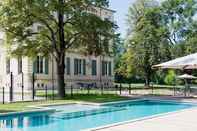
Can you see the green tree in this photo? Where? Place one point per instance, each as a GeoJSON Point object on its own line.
{"type": "Point", "coordinates": [170, 77]}
{"type": "Point", "coordinates": [191, 40]}
{"type": "Point", "coordinates": [178, 16]}
{"type": "Point", "coordinates": [146, 37]}
{"type": "Point", "coordinates": [158, 32]}
{"type": "Point", "coordinates": [54, 27]}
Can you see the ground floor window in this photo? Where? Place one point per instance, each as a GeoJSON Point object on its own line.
{"type": "Point", "coordinates": [8, 65]}
{"type": "Point", "coordinates": [68, 72]}
{"type": "Point", "coordinates": [110, 68]}
{"type": "Point", "coordinates": [94, 67]}
{"type": "Point", "coordinates": [106, 68]}
{"type": "Point", "coordinates": [20, 65]}
{"type": "Point", "coordinates": [79, 66]}
{"type": "Point", "coordinates": [41, 65]}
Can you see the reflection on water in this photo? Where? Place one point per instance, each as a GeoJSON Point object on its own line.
{"type": "Point", "coordinates": [26, 121]}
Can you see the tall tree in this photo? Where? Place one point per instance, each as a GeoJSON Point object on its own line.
{"type": "Point", "coordinates": [191, 39]}
{"type": "Point", "coordinates": [178, 16]}
{"type": "Point", "coordinates": [53, 27]}
{"type": "Point", "coordinates": [146, 36]}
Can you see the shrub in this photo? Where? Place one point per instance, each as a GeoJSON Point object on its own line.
{"type": "Point", "coordinates": [170, 77]}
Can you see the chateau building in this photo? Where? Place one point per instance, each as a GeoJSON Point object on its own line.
{"type": "Point", "coordinates": [80, 70]}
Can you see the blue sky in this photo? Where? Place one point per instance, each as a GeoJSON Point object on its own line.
{"type": "Point", "coordinates": [121, 7]}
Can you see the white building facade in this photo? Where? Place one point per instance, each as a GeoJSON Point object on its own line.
{"type": "Point", "coordinates": [80, 70]}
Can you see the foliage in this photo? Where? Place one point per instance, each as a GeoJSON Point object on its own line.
{"type": "Point", "coordinates": [146, 39]}
{"type": "Point", "coordinates": [52, 27]}
{"type": "Point", "coordinates": [170, 77]}
{"type": "Point", "coordinates": [178, 16]}
{"type": "Point", "coordinates": [158, 32]}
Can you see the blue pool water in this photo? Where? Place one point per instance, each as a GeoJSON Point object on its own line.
{"type": "Point", "coordinates": [88, 116]}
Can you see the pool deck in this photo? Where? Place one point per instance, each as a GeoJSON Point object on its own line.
{"type": "Point", "coordinates": [184, 120]}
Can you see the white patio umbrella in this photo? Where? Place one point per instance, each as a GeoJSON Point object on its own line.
{"type": "Point", "coordinates": [186, 62]}
{"type": "Point", "coordinates": [186, 76]}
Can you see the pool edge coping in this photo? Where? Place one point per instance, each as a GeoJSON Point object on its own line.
{"type": "Point", "coordinates": [41, 108]}
{"type": "Point", "coordinates": [44, 108]}
{"type": "Point", "coordinates": [26, 112]}
{"type": "Point", "coordinates": [145, 118]}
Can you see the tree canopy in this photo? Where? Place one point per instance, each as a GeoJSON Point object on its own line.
{"type": "Point", "coordinates": [55, 26]}
{"type": "Point", "coordinates": [157, 32]}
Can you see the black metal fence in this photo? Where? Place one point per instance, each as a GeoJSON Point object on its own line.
{"type": "Point", "coordinates": [7, 94]}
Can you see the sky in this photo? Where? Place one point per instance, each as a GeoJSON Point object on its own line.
{"type": "Point", "coordinates": [121, 7]}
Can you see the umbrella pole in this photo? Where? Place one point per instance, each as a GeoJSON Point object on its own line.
{"type": "Point", "coordinates": [185, 88]}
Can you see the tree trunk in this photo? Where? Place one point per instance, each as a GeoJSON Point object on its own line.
{"type": "Point", "coordinates": [147, 81]}
{"type": "Point", "coordinates": [60, 79]}
{"type": "Point", "coordinates": [147, 78]}
{"type": "Point", "coordinates": [61, 53]}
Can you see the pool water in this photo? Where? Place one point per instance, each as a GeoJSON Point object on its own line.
{"type": "Point", "coordinates": [74, 107]}
{"type": "Point", "coordinates": [88, 117]}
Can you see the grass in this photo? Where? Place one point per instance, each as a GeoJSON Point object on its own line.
{"type": "Point", "coordinates": [25, 106]}
{"type": "Point", "coordinates": [141, 86]}
{"type": "Point", "coordinates": [96, 98]}
{"type": "Point", "coordinates": [84, 97]}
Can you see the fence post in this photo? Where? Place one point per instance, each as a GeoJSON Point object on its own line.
{"type": "Point", "coordinates": [22, 93]}
{"type": "Point", "coordinates": [46, 92]}
{"type": "Point", "coordinates": [88, 89]}
{"type": "Point", "coordinates": [116, 89]}
{"type": "Point", "coordinates": [120, 88]}
{"type": "Point", "coordinates": [11, 87]}
{"type": "Point", "coordinates": [102, 89]}
{"type": "Point", "coordinates": [152, 88]}
{"type": "Point", "coordinates": [3, 95]}
{"type": "Point", "coordinates": [53, 92]}
{"type": "Point", "coordinates": [129, 89]}
{"type": "Point", "coordinates": [22, 87]}
{"type": "Point", "coordinates": [71, 90]}
{"type": "Point", "coordinates": [33, 86]}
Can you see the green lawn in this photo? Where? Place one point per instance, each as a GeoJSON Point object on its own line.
{"type": "Point", "coordinates": [23, 106]}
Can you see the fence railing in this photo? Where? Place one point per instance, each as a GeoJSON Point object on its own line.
{"type": "Point", "coordinates": [9, 95]}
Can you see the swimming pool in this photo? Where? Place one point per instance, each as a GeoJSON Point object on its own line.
{"type": "Point", "coordinates": [80, 117]}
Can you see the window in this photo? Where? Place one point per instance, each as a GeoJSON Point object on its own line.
{"type": "Point", "coordinates": [7, 65]}
{"type": "Point", "coordinates": [75, 66]}
{"type": "Point", "coordinates": [94, 67]}
{"type": "Point", "coordinates": [46, 65]}
{"type": "Point", "coordinates": [110, 68]}
{"type": "Point", "coordinates": [106, 68]}
{"type": "Point", "coordinates": [84, 67]}
{"type": "Point", "coordinates": [41, 65]}
{"type": "Point", "coordinates": [68, 66]}
{"type": "Point", "coordinates": [79, 67]}
{"type": "Point", "coordinates": [20, 65]}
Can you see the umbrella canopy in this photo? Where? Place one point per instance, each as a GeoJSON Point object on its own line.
{"type": "Point", "coordinates": [186, 62]}
{"type": "Point", "coordinates": [186, 76]}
